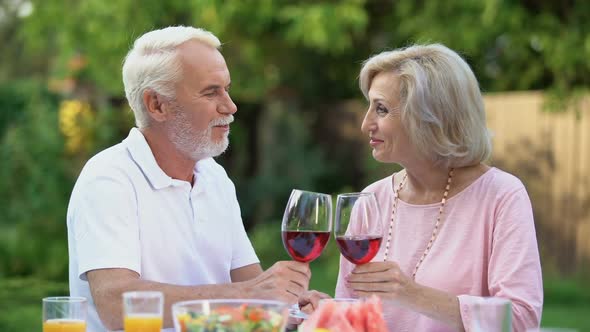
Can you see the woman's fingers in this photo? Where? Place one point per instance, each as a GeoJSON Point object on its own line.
{"type": "Point", "coordinates": [383, 276]}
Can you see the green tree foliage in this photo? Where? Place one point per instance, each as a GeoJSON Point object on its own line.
{"type": "Point", "coordinates": [294, 66]}
{"type": "Point", "coordinates": [512, 45]}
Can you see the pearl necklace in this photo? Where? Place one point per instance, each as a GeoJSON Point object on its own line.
{"type": "Point", "coordinates": [436, 226]}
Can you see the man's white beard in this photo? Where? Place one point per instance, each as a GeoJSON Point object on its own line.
{"type": "Point", "coordinates": [195, 144]}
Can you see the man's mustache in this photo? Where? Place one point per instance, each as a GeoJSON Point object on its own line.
{"type": "Point", "coordinates": [222, 121]}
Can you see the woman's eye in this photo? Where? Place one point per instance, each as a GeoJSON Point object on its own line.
{"type": "Point", "coordinates": [381, 110]}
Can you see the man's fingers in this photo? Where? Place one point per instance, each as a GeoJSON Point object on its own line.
{"type": "Point", "coordinates": [308, 308]}
{"type": "Point", "coordinates": [299, 280]}
{"type": "Point", "coordinates": [299, 267]}
{"type": "Point", "coordinates": [295, 289]}
{"type": "Point", "coordinates": [292, 296]}
{"type": "Point", "coordinates": [312, 299]}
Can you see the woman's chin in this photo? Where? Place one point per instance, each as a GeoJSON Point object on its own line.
{"type": "Point", "coordinates": [379, 157]}
{"type": "Point", "coordinates": [382, 158]}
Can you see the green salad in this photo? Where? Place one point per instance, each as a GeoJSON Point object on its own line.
{"type": "Point", "coordinates": [235, 319]}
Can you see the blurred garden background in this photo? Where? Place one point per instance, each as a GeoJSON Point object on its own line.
{"type": "Point", "coordinates": [294, 67]}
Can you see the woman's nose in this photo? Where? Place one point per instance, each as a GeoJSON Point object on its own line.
{"type": "Point", "coordinates": [368, 124]}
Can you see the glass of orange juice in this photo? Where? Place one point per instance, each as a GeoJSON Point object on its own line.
{"type": "Point", "coordinates": [64, 314]}
{"type": "Point", "coordinates": [142, 311]}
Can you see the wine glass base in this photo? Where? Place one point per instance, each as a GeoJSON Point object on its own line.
{"type": "Point", "coordinates": [296, 313]}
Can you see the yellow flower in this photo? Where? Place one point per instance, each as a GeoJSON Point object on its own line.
{"type": "Point", "coordinates": [73, 116]}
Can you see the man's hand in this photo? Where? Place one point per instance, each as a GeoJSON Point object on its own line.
{"type": "Point", "coordinates": [309, 301]}
{"type": "Point", "coordinates": [284, 281]}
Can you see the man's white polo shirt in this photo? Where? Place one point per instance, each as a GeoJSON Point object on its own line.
{"type": "Point", "coordinates": [125, 212]}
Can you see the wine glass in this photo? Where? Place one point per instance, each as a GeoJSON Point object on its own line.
{"type": "Point", "coordinates": [358, 229]}
{"type": "Point", "coordinates": [307, 224]}
{"type": "Point", "coordinates": [306, 228]}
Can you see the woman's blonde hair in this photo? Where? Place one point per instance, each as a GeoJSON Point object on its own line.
{"type": "Point", "coordinates": [440, 102]}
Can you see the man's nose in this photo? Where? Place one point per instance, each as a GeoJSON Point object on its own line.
{"type": "Point", "coordinates": [229, 107]}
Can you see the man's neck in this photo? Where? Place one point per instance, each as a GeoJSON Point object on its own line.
{"type": "Point", "coordinates": [170, 160]}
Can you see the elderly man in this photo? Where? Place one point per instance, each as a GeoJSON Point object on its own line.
{"type": "Point", "coordinates": [156, 212]}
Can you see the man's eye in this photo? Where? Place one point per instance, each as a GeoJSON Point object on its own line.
{"type": "Point", "coordinates": [211, 94]}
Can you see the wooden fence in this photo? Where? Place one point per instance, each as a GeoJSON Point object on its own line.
{"type": "Point", "coordinates": [550, 153]}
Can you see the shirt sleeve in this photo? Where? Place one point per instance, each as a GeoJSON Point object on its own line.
{"type": "Point", "coordinates": [105, 226]}
{"type": "Point", "coordinates": [514, 269]}
{"type": "Point", "coordinates": [242, 253]}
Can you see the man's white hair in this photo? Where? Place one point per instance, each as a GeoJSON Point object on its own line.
{"type": "Point", "coordinates": [152, 63]}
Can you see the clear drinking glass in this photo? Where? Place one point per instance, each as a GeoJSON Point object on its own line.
{"type": "Point", "coordinates": [64, 313]}
{"type": "Point", "coordinates": [143, 311]}
{"type": "Point", "coordinates": [358, 229]}
{"type": "Point", "coordinates": [492, 314]}
{"type": "Point", "coordinates": [306, 228]}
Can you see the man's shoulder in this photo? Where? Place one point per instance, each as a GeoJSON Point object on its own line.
{"type": "Point", "coordinates": [106, 176]}
{"type": "Point", "coordinates": [114, 161]}
{"type": "Point", "coordinates": [211, 168]}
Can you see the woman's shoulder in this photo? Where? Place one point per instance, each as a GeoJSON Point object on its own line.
{"type": "Point", "coordinates": [382, 186]}
{"type": "Point", "coordinates": [503, 180]}
{"type": "Point", "coordinates": [496, 181]}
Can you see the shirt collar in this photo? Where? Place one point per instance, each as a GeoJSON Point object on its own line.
{"type": "Point", "coordinates": [144, 158]}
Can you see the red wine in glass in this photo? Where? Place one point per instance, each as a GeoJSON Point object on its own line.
{"type": "Point", "coordinates": [359, 249]}
{"type": "Point", "coordinates": [306, 227]}
{"type": "Point", "coordinates": [358, 229]}
{"type": "Point", "coordinates": [305, 246]}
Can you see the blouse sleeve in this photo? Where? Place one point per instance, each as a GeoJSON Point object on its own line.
{"type": "Point", "coordinates": [342, 291]}
{"type": "Point", "coordinates": [514, 270]}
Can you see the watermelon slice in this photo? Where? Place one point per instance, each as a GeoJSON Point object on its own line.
{"type": "Point", "coordinates": [374, 315]}
{"type": "Point", "coordinates": [363, 316]}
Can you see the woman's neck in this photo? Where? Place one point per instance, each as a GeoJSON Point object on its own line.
{"type": "Point", "coordinates": [426, 183]}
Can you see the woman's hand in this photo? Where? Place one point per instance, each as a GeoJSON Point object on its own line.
{"type": "Point", "coordinates": [384, 279]}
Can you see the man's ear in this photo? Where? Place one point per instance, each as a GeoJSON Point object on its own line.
{"type": "Point", "coordinates": [156, 105]}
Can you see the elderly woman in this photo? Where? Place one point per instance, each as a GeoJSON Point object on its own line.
{"type": "Point", "coordinates": [454, 229]}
